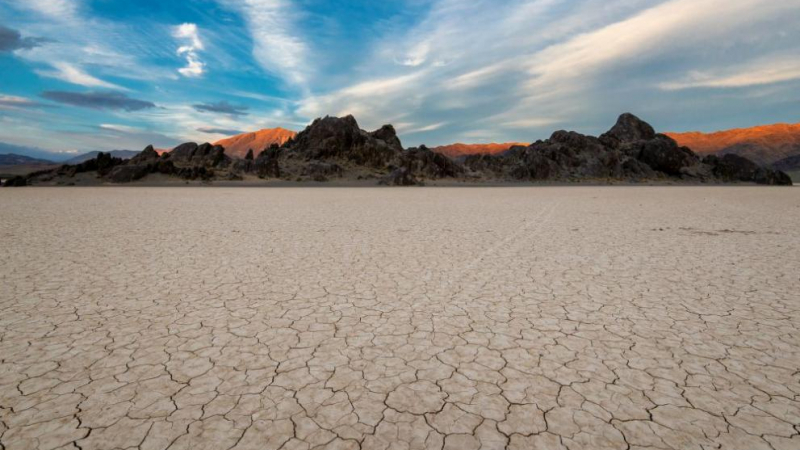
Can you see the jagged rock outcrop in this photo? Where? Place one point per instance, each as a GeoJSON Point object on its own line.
{"type": "Point", "coordinates": [333, 148]}
{"type": "Point", "coordinates": [422, 162]}
{"type": "Point", "coordinates": [205, 155]}
{"type": "Point", "coordinates": [628, 129]}
{"type": "Point", "coordinates": [267, 165]}
{"type": "Point", "coordinates": [733, 167]}
{"type": "Point", "coordinates": [334, 138]}
{"type": "Point", "coordinates": [631, 150]}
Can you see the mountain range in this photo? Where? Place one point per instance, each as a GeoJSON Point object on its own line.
{"type": "Point", "coordinates": [238, 146]}
{"type": "Point", "coordinates": [13, 159]}
{"type": "Point", "coordinates": [769, 145]}
{"type": "Point", "coordinates": [337, 149]}
{"type": "Point", "coordinates": [765, 144]}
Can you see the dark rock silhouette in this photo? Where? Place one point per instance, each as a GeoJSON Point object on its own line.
{"type": "Point", "coordinates": [17, 181]}
{"type": "Point", "coordinates": [733, 167]}
{"type": "Point", "coordinates": [336, 148]}
{"type": "Point", "coordinates": [342, 139]}
{"type": "Point", "coordinates": [630, 151]}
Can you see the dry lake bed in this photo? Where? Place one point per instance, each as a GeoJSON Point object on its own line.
{"type": "Point", "coordinates": [459, 318]}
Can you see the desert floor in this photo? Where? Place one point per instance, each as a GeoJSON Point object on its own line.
{"type": "Point", "coordinates": [296, 318]}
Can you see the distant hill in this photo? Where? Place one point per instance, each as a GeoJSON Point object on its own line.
{"type": "Point", "coordinates": [124, 154]}
{"type": "Point", "coordinates": [460, 150]}
{"type": "Point", "coordinates": [237, 146]}
{"type": "Point", "coordinates": [764, 144]}
{"type": "Point", "coordinates": [12, 159]}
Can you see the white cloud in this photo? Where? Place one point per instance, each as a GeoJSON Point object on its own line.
{"type": "Point", "coordinates": [72, 74]}
{"type": "Point", "coordinates": [120, 128]}
{"type": "Point", "coordinates": [189, 36]}
{"type": "Point", "coordinates": [277, 47]}
{"type": "Point", "coordinates": [755, 74]}
{"type": "Point", "coordinates": [422, 129]}
{"type": "Point", "coordinates": [62, 9]}
{"type": "Point", "coordinates": [14, 102]}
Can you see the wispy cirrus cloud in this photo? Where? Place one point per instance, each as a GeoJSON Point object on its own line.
{"type": "Point", "coordinates": [220, 131]}
{"type": "Point", "coordinates": [222, 107]}
{"type": "Point", "coordinates": [16, 102]}
{"type": "Point", "coordinates": [98, 100]}
{"type": "Point", "coordinates": [758, 73]}
{"type": "Point", "coordinates": [538, 63]}
{"type": "Point", "coordinates": [277, 47]}
{"type": "Point", "coordinates": [72, 74]}
{"type": "Point", "coordinates": [61, 9]}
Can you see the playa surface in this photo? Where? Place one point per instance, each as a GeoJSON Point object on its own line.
{"type": "Point", "coordinates": [459, 318]}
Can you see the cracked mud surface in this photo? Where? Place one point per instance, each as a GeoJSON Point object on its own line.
{"type": "Point", "coordinates": [536, 318]}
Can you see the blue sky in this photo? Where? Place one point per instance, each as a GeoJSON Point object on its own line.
{"type": "Point", "coordinates": [80, 75]}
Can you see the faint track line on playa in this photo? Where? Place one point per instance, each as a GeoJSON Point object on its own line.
{"type": "Point", "coordinates": [517, 238]}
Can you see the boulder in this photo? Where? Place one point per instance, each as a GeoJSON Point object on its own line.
{"type": "Point", "coordinates": [267, 164]}
{"type": "Point", "coordinates": [663, 154]}
{"type": "Point", "coordinates": [128, 173]}
{"type": "Point", "coordinates": [399, 177]}
{"type": "Point", "coordinates": [206, 155]}
{"type": "Point", "coordinates": [322, 171]}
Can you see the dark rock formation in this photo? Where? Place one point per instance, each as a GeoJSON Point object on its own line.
{"type": "Point", "coordinates": [663, 154]}
{"type": "Point", "coordinates": [733, 167]}
{"type": "Point", "coordinates": [424, 163]}
{"type": "Point", "coordinates": [628, 128]}
{"type": "Point", "coordinates": [333, 147]}
{"type": "Point", "coordinates": [17, 181]}
{"type": "Point", "coordinates": [341, 139]}
{"type": "Point", "coordinates": [267, 164]}
{"type": "Point", "coordinates": [192, 155]}
{"type": "Point", "coordinates": [399, 177]}
{"type": "Point", "coordinates": [630, 151]}
{"type": "Point", "coordinates": [322, 171]}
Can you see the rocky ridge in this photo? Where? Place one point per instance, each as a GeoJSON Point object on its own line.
{"type": "Point", "coordinates": [333, 148]}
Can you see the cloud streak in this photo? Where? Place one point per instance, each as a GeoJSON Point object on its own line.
{"type": "Point", "coordinates": [72, 74]}
{"type": "Point", "coordinates": [15, 102]}
{"type": "Point", "coordinates": [276, 46]}
{"type": "Point", "coordinates": [98, 100]}
{"type": "Point", "coordinates": [222, 107]}
{"type": "Point", "coordinates": [222, 131]}
{"type": "Point", "coordinates": [11, 40]}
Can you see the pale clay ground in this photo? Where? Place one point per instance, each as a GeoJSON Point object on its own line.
{"type": "Point", "coordinates": [536, 318]}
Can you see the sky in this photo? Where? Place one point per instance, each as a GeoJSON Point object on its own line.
{"type": "Point", "coordinates": [83, 75]}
